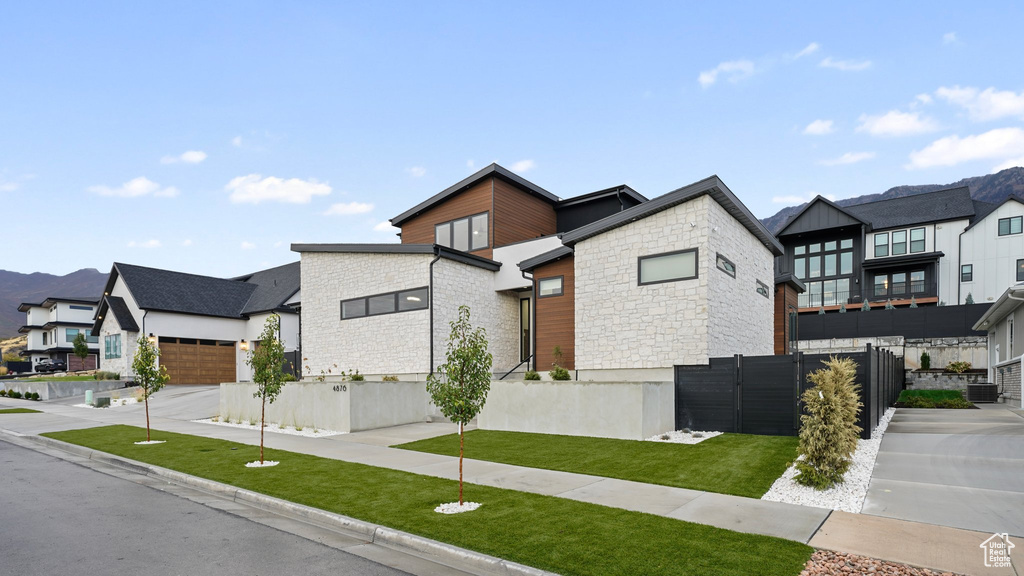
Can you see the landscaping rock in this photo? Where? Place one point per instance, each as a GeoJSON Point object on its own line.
{"type": "Point", "coordinates": [826, 562]}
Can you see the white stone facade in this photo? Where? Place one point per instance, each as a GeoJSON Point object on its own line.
{"type": "Point", "coordinates": [386, 344]}
{"type": "Point", "coordinates": [121, 365]}
{"type": "Point", "coordinates": [622, 325]}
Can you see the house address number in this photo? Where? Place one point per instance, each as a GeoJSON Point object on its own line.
{"type": "Point", "coordinates": [341, 388]}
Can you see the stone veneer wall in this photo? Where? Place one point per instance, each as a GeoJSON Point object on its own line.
{"type": "Point", "coordinates": [1008, 377]}
{"type": "Point", "coordinates": [457, 284]}
{"type": "Point", "coordinates": [942, 380]}
{"type": "Point", "coordinates": [973, 349]}
{"type": "Point", "coordinates": [386, 344]}
{"type": "Point", "coordinates": [740, 319]}
{"type": "Point", "coordinates": [123, 364]}
{"type": "Point", "coordinates": [620, 324]}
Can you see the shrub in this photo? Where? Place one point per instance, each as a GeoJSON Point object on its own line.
{"type": "Point", "coordinates": [531, 375]}
{"type": "Point", "coordinates": [104, 375]}
{"type": "Point", "coordinates": [926, 361]}
{"type": "Point", "coordinates": [3, 392]}
{"type": "Point", "coordinates": [559, 373]}
{"type": "Point", "coordinates": [828, 430]}
{"type": "Point", "coordinates": [865, 307]}
{"type": "Point", "coordinates": [958, 367]}
{"type": "Point", "coordinates": [356, 376]}
{"type": "Point", "coordinates": [14, 394]}
{"type": "Point", "coordinates": [288, 378]}
{"type": "Point", "coordinates": [35, 395]}
{"type": "Point", "coordinates": [3, 370]}
{"type": "Point", "coordinates": [389, 379]}
{"type": "Point", "coordinates": [969, 299]}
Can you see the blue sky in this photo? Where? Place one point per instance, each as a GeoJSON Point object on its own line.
{"type": "Point", "coordinates": [206, 137]}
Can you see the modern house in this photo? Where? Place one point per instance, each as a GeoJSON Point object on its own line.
{"type": "Point", "coordinates": [1006, 352]}
{"type": "Point", "coordinates": [203, 326]}
{"type": "Point", "coordinates": [931, 248]}
{"type": "Point", "coordinates": [51, 327]}
{"type": "Point", "coordinates": [623, 286]}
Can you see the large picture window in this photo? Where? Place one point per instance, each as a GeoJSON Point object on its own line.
{"type": "Point", "coordinates": [668, 267]}
{"type": "Point", "coordinates": [387, 303]}
{"type": "Point", "coordinates": [112, 346]}
{"type": "Point", "coordinates": [1009, 226]}
{"type": "Point", "coordinates": [466, 234]}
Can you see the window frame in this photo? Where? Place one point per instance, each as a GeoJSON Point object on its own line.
{"type": "Point", "coordinates": [696, 267]}
{"type": "Point", "coordinates": [469, 232]}
{"type": "Point", "coordinates": [884, 245]}
{"type": "Point", "coordinates": [561, 286]}
{"type": "Point", "coordinates": [1009, 225]}
{"type": "Point", "coordinates": [395, 293]}
{"type": "Point", "coordinates": [1020, 270]}
{"type": "Point", "coordinates": [720, 258]}
{"type": "Point", "coordinates": [923, 240]}
{"type": "Point", "coordinates": [967, 272]}
{"type": "Point", "coordinates": [902, 243]}
{"type": "Point", "coordinates": [761, 286]}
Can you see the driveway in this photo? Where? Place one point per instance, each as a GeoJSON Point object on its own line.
{"type": "Point", "coordinates": [960, 468]}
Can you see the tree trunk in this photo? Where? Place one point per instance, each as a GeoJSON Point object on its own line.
{"type": "Point", "coordinates": [147, 417]}
{"type": "Point", "coordinates": [263, 415]}
{"type": "Point", "coordinates": [461, 445]}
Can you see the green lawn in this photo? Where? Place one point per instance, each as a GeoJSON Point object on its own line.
{"type": "Point", "coordinates": [932, 399]}
{"type": "Point", "coordinates": [546, 532]}
{"type": "Point", "coordinates": [738, 464]}
{"type": "Point", "coordinates": [19, 411]}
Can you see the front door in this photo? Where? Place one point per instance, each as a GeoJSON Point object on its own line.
{"type": "Point", "coordinates": [524, 329]}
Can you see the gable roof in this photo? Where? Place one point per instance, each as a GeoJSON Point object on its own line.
{"type": "Point", "coordinates": [819, 200]}
{"type": "Point", "coordinates": [983, 209]}
{"type": "Point", "coordinates": [462, 185]}
{"type": "Point", "coordinates": [274, 286]}
{"type": "Point", "coordinates": [122, 314]}
{"type": "Point", "coordinates": [541, 259]}
{"type": "Point", "coordinates": [712, 186]}
{"type": "Point", "coordinates": [949, 204]}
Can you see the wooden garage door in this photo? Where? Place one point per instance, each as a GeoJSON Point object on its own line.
{"type": "Point", "coordinates": [76, 363]}
{"type": "Point", "coordinates": [191, 361]}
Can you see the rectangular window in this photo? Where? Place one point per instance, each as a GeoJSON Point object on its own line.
{"type": "Point", "coordinates": [846, 262]}
{"type": "Point", "coordinates": [44, 338]}
{"type": "Point", "coordinates": [843, 290]}
{"type": "Point", "coordinates": [830, 246]}
{"type": "Point", "coordinates": [383, 304]}
{"type": "Point", "coordinates": [967, 273]}
{"type": "Point", "coordinates": [881, 285]}
{"type": "Point", "coordinates": [881, 244]}
{"type": "Point", "coordinates": [917, 281]}
{"type": "Point", "coordinates": [899, 243]}
{"type": "Point", "coordinates": [846, 244]}
{"type": "Point", "coordinates": [762, 288]}
{"type": "Point", "coordinates": [1020, 270]}
{"type": "Point", "coordinates": [79, 307]}
{"type": "Point", "coordinates": [353, 309]}
{"type": "Point", "coordinates": [412, 300]}
{"type": "Point", "coordinates": [725, 265]}
{"type": "Point", "coordinates": [389, 303]}
{"type": "Point", "coordinates": [669, 267]}
{"type": "Point", "coordinates": [815, 248]}
{"type": "Point", "coordinates": [830, 264]}
{"type": "Point", "coordinates": [829, 293]}
{"type": "Point", "coordinates": [112, 346]}
{"type": "Point", "coordinates": [800, 268]}
{"type": "Point", "coordinates": [70, 334]}
{"type": "Point", "coordinates": [814, 294]}
{"type": "Point", "coordinates": [916, 240]}
{"type": "Point", "coordinates": [549, 287]}
{"type": "Point", "coordinates": [798, 250]}
{"type": "Point", "coordinates": [899, 283]}
{"type": "Point", "coordinates": [465, 234]}
{"type": "Point", "coordinates": [1009, 226]}
{"type": "Point", "coordinates": [90, 338]}
{"type": "Point", "coordinates": [815, 266]}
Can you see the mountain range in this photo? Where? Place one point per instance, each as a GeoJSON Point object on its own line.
{"type": "Point", "coordinates": [993, 188]}
{"type": "Point", "coordinates": [16, 288]}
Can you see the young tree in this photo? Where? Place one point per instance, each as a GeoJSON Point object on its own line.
{"type": "Point", "coordinates": [148, 375]}
{"type": "Point", "coordinates": [267, 362]}
{"type": "Point", "coordinates": [459, 388]}
{"type": "Point", "coordinates": [81, 347]}
{"type": "Point", "coordinates": [829, 430]}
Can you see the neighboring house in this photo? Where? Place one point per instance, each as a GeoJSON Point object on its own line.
{"type": "Point", "coordinates": [1006, 351]}
{"type": "Point", "coordinates": [621, 285]}
{"type": "Point", "coordinates": [52, 326]}
{"type": "Point", "coordinates": [934, 247]}
{"type": "Point", "coordinates": [204, 326]}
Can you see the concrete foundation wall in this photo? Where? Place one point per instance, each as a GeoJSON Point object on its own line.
{"type": "Point", "coordinates": [48, 390]}
{"type": "Point", "coordinates": [971, 349]}
{"type": "Point", "coordinates": [626, 410]}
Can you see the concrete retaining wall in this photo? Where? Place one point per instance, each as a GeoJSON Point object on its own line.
{"type": "Point", "coordinates": [49, 390]}
{"type": "Point", "coordinates": [339, 406]}
{"type": "Point", "coordinates": [627, 410]}
{"type": "Point", "coordinates": [942, 380]}
{"type": "Point", "coordinates": [973, 349]}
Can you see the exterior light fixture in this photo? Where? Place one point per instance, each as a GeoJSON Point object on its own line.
{"type": "Point", "coordinates": [152, 339]}
{"type": "Point", "coordinates": [243, 345]}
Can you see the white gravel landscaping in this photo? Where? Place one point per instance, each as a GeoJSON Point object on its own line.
{"type": "Point", "coordinates": [151, 442]}
{"type": "Point", "coordinates": [684, 436]}
{"type": "Point", "coordinates": [848, 496]}
{"type": "Point", "coordinates": [264, 464]}
{"type": "Point", "coordinates": [455, 508]}
{"type": "Point", "coordinates": [114, 403]}
{"type": "Point", "coordinates": [307, 432]}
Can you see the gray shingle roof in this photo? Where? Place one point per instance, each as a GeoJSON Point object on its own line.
{"type": "Point", "coordinates": [951, 204]}
{"type": "Point", "coordinates": [124, 318]}
{"type": "Point", "coordinates": [274, 287]}
{"type": "Point", "coordinates": [169, 291]}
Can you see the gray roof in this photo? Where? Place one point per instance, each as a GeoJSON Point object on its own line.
{"type": "Point", "coordinates": [274, 287]}
{"type": "Point", "coordinates": [712, 186]}
{"type": "Point", "coordinates": [122, 314]}
{"type": "Point", "coordinates": [950, 204]}
{"type": "Point", "coordinates": [436, 249]}
{"type": "Point", "coordinates": [620, 189]}
{"type": "Point", "coordinates": [541, 259]}
{"type": "Point", "coordinates": [983, 209]}
{"type": "Point", "coordinates": [462, 185]}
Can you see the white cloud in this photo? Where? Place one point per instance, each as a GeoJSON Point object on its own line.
{"type": "Point", "coordinates": [989, 104]}
{"type": "Point", "coordinates": [248, 246]}
{"type": "Point", "coordinates": [949, 38]}
{"type": "Point", "coordinates": [153, 243]}
{"type": "Point", "coordinates": [254, 189]}
{"type": "Point", "coordinates": [343, 209]}
{"type": "Point", "coordinates": [523, 166]}
{"type": "Point", "coordinates": [384, 226]}
{"type": "Point", "coordinates": [9, 186]}
{"type": "Point", "coordinates": [416, 171]}
{"type": "Point", "coordinates": [819, 128]}
{"type": "Point", "coordinates": [795, 199]}
{"type": "Point", "coordinates": [845, 65]}
{"type": "Point", "coordinates": [187, 157]}
{"type": "Point", "coordinates": [734, 71]}
{"type": "Point", "coordinates": [135, 188]}
{"type": "Point", "coordinates": [848, 158]}
{"type": "Point", "coordinates": [810, 49]}
{"type": "Point", "coordinates": [1010, 164]}
{"type": "Point", "coordinates": [1002, 144]}
{"type": "Point", "coordinates": [896, 123]}
{"type": "Point", "coordinates": [236, 141]}
{"type": "Point", "coordinates": [186, 242]}
{"type": "Point", "coordinates": [921, 99]}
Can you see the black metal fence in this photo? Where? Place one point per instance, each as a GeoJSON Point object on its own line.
{"type": "Point", "coordinates": [293, 363]}
{"type": "Point", "coordinates": [761, 394]}
{"type": "Point", "coordinates": [15, 367]}
{"type": "Point", "coordinates": [924, 322]}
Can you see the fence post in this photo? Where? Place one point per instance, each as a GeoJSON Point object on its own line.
{"type": "Point", "coordinates": [797, 377]}
{"type": "Point", "coordinates": [739, 393]}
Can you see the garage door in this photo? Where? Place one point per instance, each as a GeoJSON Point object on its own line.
{"type": "Point", "coordinates": [191, 361]}
{"type": "Point", "coordinates": [76, 363]}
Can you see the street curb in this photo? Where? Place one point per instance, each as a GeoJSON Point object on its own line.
{"type": "Point", "coordinates": [374, 533]}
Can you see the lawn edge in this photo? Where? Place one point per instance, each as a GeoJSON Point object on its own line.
{"type": "Point", "coordinates": [374, 533]}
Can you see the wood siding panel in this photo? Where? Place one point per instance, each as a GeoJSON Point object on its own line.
{"type": "Point", "coordinates": [475, 200]}
{"type": "Point", "coordinates": [556, 321]}
{"type": "Point", "coordinates": [519, 215]}
{"type": "Point", "coordinates": [785, 300]}
{"type": "Point", "coordinates": [75, 363]}
{"type": "Point", "coordinates": [197, 363]}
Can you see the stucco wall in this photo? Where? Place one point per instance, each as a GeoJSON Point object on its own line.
{"type": "Point", "coordinates": [740, 319]}
{"type": "Point", "coordinates": [627, 410]}
{"type": "Point", "coordinates": [622, 325]}
{"type": "Point", "coordinates": [386, 344]}
{"type": "Point", "coordinates": [994, 257]}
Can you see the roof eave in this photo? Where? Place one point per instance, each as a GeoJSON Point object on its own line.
{"type": "Point", "coordinates": [1005, 304]}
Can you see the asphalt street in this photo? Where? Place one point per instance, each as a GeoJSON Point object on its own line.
{"type": "Point", "coordinates": [57, 517]}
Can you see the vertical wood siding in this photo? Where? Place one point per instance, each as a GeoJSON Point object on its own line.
{"type": "Point", "coordinates": [556, 324]}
